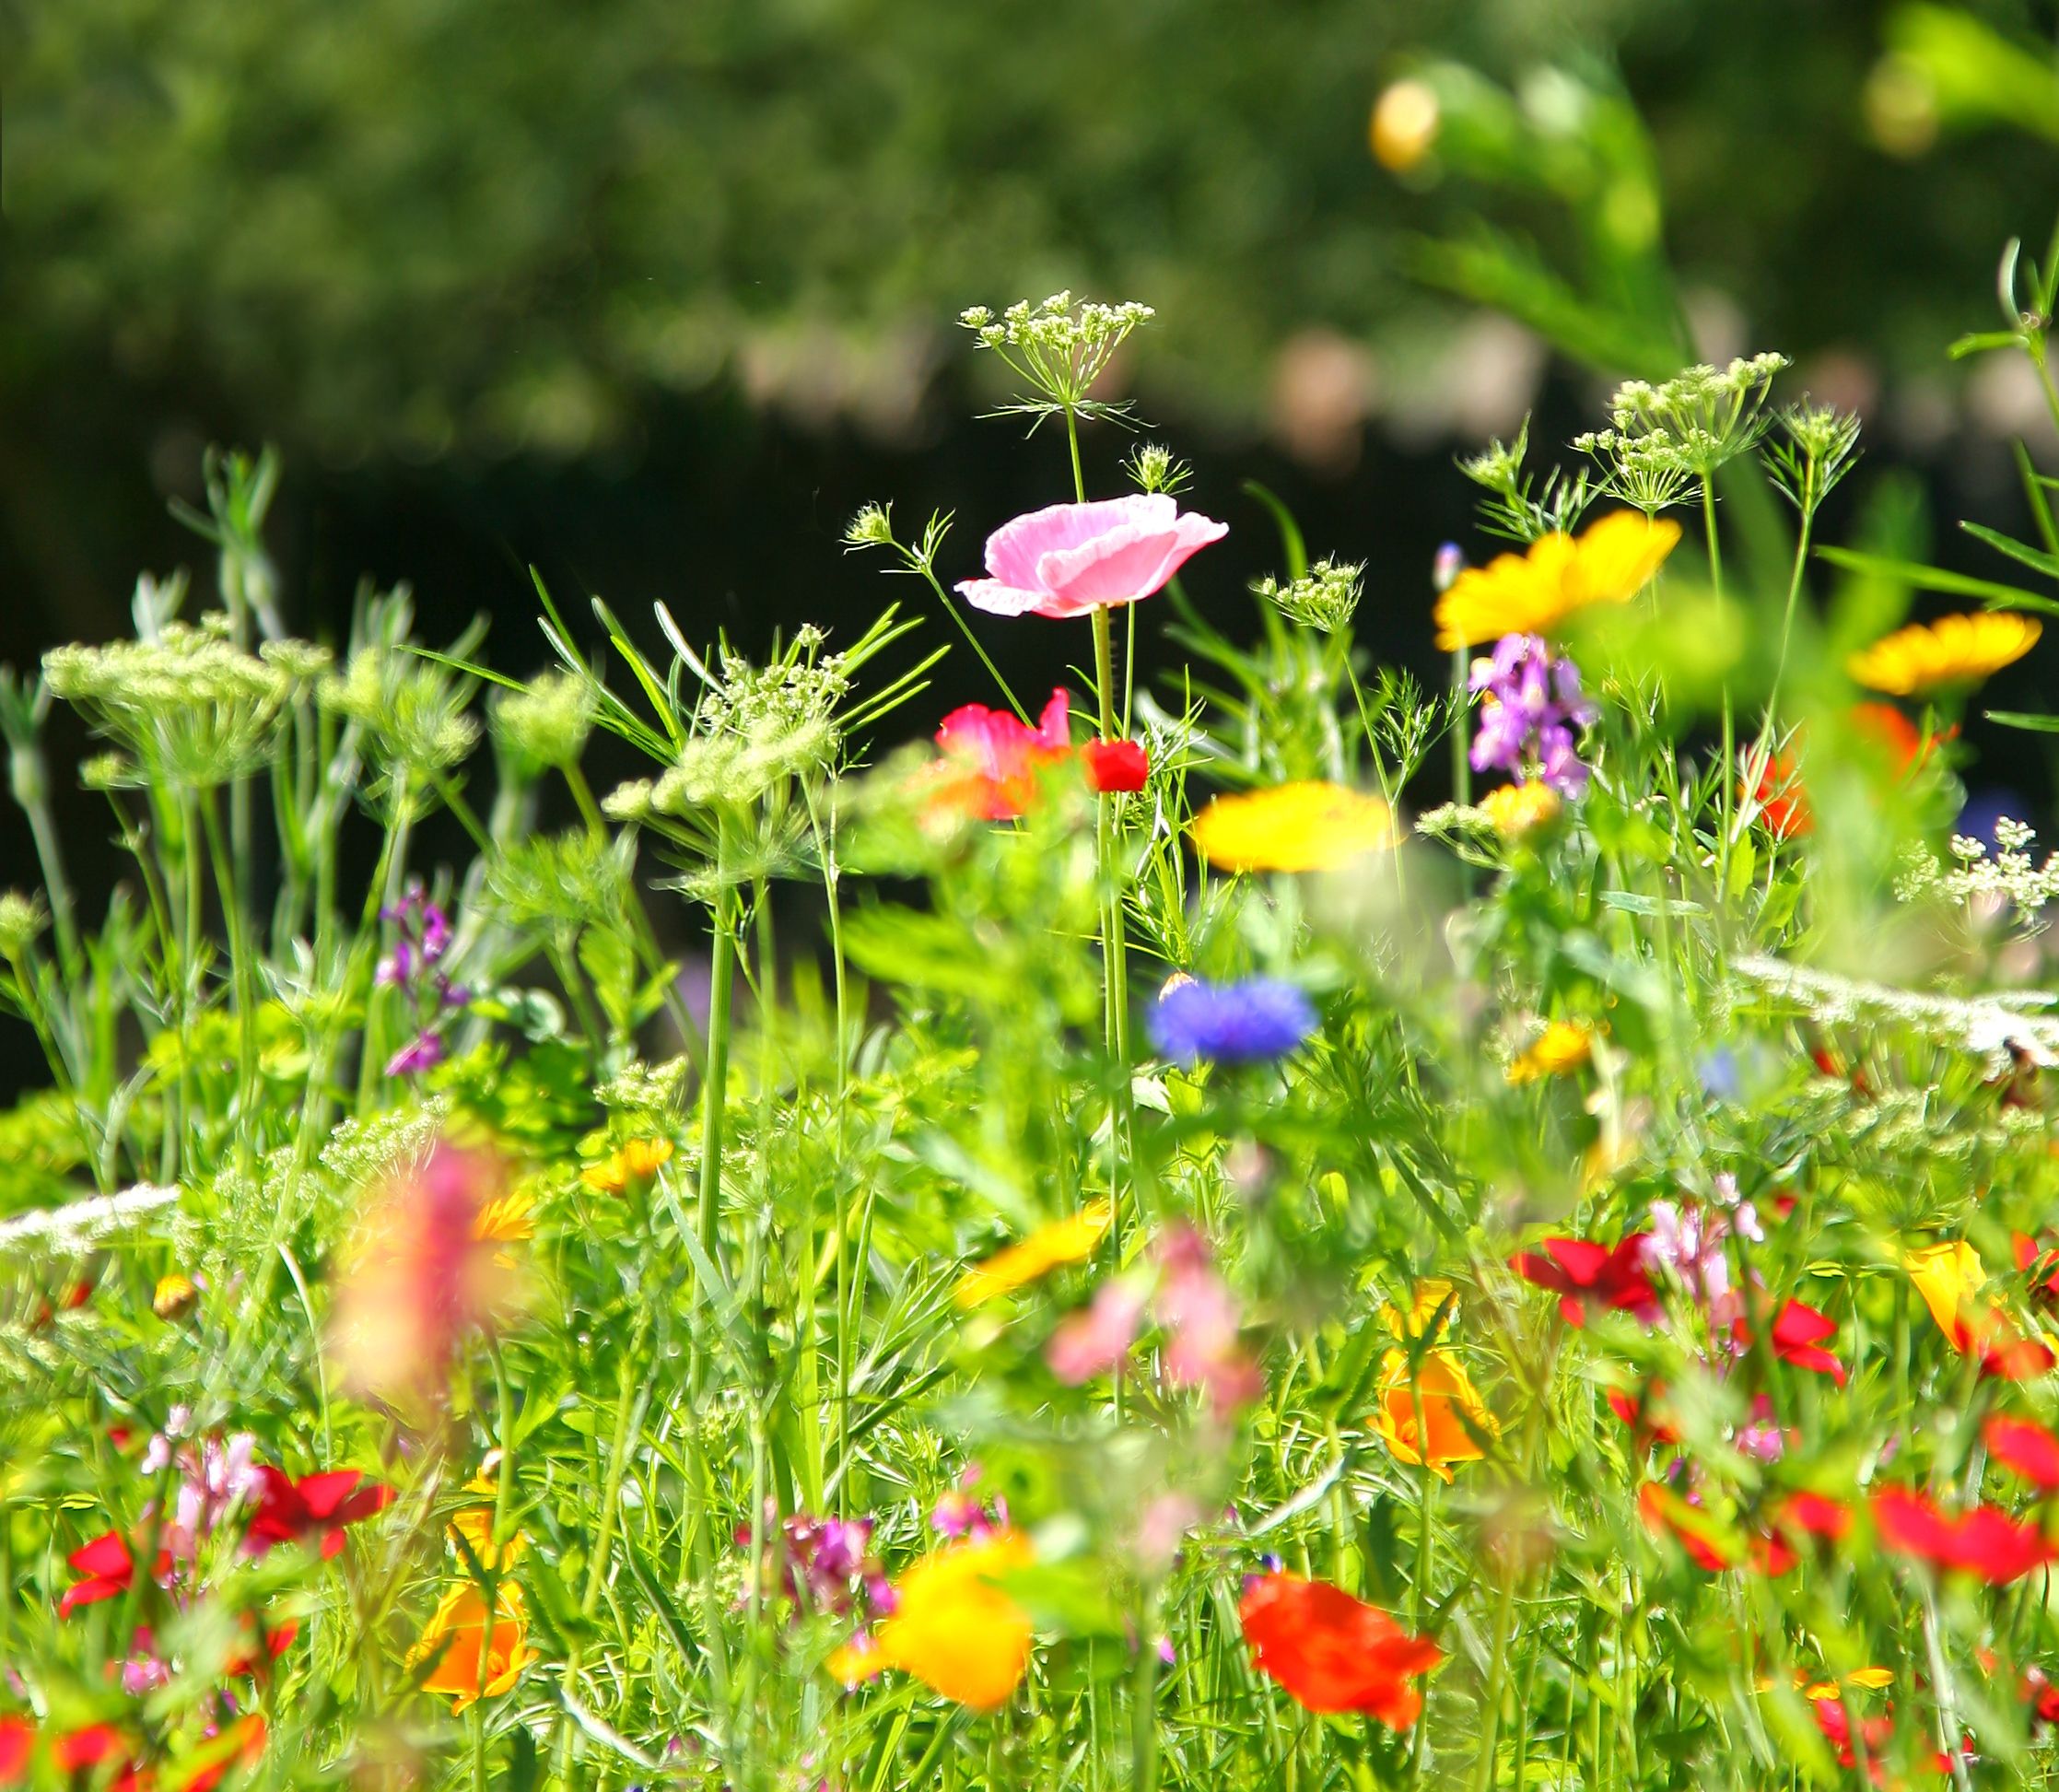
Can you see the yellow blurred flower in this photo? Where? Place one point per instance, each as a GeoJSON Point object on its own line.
{"type": "Point", "coordinates": [953, 1628]}
{"type": "Point", "coordinates": [1404, 127]}
{"type": "Point", "coordinates": [1530, 593]}
{"type": "Point", "coordinates": [1515, 809]}
{"type": "Point", "coordinates": [474, 1525]}
{"type": "Point", "coordinates": [1926, 657]}
{"type": "Point", "coordinates": [1424, 1299]}
{"type": "Point", "coordinates": [1311, 825]}
{"type": "Point", "coordinates": [638, 1161]}
{"type": "Point", "coordinates": [473, 1645]}
{"type": "Point", "coordinates": [1069, 1240]}
{"type": "Point", "coordinates": [1447, 1399]}
{"type": "Point", "coordinates": [173, 1296]}
{"type": "Point", "coordinates": [1562, 1047]}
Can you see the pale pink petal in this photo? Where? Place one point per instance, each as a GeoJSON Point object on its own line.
{"type": "Point", "coordinates": [1013, 549]}
{"type": "Point", "coordinates": [998, 599]}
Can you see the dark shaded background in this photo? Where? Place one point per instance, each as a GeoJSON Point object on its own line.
{"type": "Point", "coordinates": [654, 296]}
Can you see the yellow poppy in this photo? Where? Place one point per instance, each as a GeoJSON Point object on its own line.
{"type": "Point", "coordinates": [638, 1161]}
{"type": "Point", "coordinates": [953, 1628]}
{"type": "Point", "coordinates": [1515, 809]}
{"type": "Point", "coordinates": [1069, 1241]}
{"type": "Point", "coordinates": [1310, 826]}
{"type": "Point", "coordinates": [1530, 593]}
{"type": "Point", "coordinates": [1946, 1276]}
{"type": "Point", "coordinates": [1563, 1045]}
{"type": "Point", "coordinates": [1424, 1299]}
{"type": "Point", "coordinates": [474, 1525]}
{"type": "Point", "coordinates": [1926, 657]}
{"type": "Point", "coordinates": [173, 1296]}
{"type": "Point", "coordinates": [471, 1645]}
{"type": "Point", "coordinates": [1447, 1399]}
{"type": "Point", "coordinates": [1404, 127]}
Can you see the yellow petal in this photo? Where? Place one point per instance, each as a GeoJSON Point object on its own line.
{"type": "Point", "coordinates": [1304, 827]}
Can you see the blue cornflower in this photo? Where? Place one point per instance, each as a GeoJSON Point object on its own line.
{"type": "Point", "coordinates": [1245, 1022]}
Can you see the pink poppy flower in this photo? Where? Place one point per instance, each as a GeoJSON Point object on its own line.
{"type": "Point", "coordinates": [991, 760]}
{"type": "Point", "coordinates": [1069, 558]}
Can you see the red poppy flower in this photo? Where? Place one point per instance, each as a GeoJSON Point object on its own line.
{"type": "Point", "coordinates": [1584, 1274]}
{"type": "Point", "coordinates": [1799, 1334]}
{"type": "Point", "coordinates": [17, 1736]}
{"type": "Point", "coordinates": [1906, 745]}
{"type": "Point", "coordinates": [1776, 1549]}
{"type": "Point", "coordinates": [1783, 803]}
{"type": "Point", "coordinates": [1115, 766]}
{"type": "Point", "coordinates": [2030, 1255]}
{"type": "Point", "coordinates": [1710, 1544]}
{"type": "Point", "coordinates": [2030, 1450]}
{"type": "Point", "coordinates": [108, 1567]}
{"type": "Point", "coordinates": [1639, 1412]}
{"type": "Point", "coordinates": [2041, 1695]}
{"type": "Point", "coordinates": [316, 1505]}
{"type": "Point", "coordinates": [1985, 1542]}
{"type": "Point", "coordinates": [1836, 1725]}
{"type": "Point", "coordinates": [1332, 1652]}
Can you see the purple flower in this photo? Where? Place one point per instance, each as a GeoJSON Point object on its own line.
{"type": "Point", "coordinates": [412, 1060]}
{"type": "Point", "coordinates": [1246, 1023]}
{"type": "Point", "coordinates": [1531, 703]}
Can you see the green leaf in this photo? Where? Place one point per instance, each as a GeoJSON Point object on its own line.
{"type": "Point", "coordinates": [1290, 543]}
{"type": "Point", "coordinates": [1936, 578]}
{"type": "Point", "coordinates": [1981, 341]}
{"type": "Point", "coordinates": [2023, 718]}
{"type": "Point", "coordinates": [2035, 558]}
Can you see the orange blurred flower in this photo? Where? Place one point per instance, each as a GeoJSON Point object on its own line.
{"type": "Point", "coordinates": [638, 1161]}
{"type": "Point", "coordinates": [1069, 1240]}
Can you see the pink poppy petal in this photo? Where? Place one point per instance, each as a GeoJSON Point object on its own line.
{"type": "Point", "coordinates": [1013, 549]}
{"type": "Point", "coordinates": [999, 599]}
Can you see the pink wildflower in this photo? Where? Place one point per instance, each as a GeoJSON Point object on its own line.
{"type": "Point", "coordinates": [1070, 558]}
{"type": "Point", "coordinates": [1095, 1342]}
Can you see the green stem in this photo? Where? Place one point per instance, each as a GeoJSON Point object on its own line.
{"type": "Point", "coordinates": [714, 1090]}
{"type": "Point", "coordinates": [1491, 1721]}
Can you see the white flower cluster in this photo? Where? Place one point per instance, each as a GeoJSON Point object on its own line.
{"type": "Point", "coordinates": [1661, 436]}
{"type": "Point", "coordinates": [1324, 598]}
{"type": "Point", "coordinates": [1059, 347]}
{"type": "Point", "coordinates": [2011, 879]}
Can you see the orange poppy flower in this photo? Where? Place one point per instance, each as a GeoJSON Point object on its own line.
{"type": "Point", "coordinates": [1332, 1652]}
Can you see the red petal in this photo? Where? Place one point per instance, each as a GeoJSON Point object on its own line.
{"type": "Point", "coordinates": [1115, 765]}
{"type": "Point", "coordinates": [322, 1494]}
{"type": "Point", "coordinates": [1582, 1261]}
{"type": "Point", "coordinates": [107, 1555]}
{"type": "Point", "coordinates": [2030, 1450]}
{"type": "Point", "coordinates": [1911, 1525]}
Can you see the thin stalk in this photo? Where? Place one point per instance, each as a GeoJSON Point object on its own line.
{"type": "Point", "coordinates": [714, 1090]}
{"type": "Point", "coordinates": [243, 980]}
{"type": "Point", "coordinates": [1491, 1721]}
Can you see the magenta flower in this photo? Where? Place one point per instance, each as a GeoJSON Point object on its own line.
{"type": "Point", "coordinates": [1068, 559]}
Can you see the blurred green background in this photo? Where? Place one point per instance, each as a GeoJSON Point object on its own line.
{"type": "Point", "coordinates": [652, 293]}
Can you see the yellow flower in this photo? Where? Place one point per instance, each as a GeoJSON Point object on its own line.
{"type": "Point", "coordinates": [1404, 126]}
{"type": "Point", "coordinates": [1530, 593]}
{"type": "Point", "coordinates": [1947, 1276]}
{"type": "Point", "coordinates": [1304, 826]}
{"type": "Point", "coordinates": [174, 1296]}
{"type": "Point", "coordinates": [1515, 809]}
{"type": "Point", "coordinates": [638, 1161]}
{"type": "Point", "coordinates": [1424, 1300]}
{"type": "Point", "coordinates": [472, 1644]}
{"type": "Point", "coordinates": [1452, 1409]}
{"type": "Point", "coordinates": [1923, 657]}
{"type": "Point", "coordinates": [506, 1218]}
{"type": "Point", "coordinates": [953, 1628]}
{"type": "Point", "coordinates": [474, 1525]}
{"type": "Point", "coordinates": [1062, 1241]}
{"type": "Point", "coordinates": [1562, 1047]}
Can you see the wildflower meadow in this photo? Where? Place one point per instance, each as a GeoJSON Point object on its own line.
{"type": "Point", "coordinates": [1290, 1222]}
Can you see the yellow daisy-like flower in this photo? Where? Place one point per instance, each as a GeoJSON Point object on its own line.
{"type": "Point", "coordinates": [1562, 1047]}
{"type": "Point", "coordinates": [1069, 1241]}
{"type": "Point", "coordinates": [1404, 127]}
{"type": "Point", "coordinates": [475, 1645]}
{"type": "Point", "coordinates": [1530, 593]}
{"type": "Point", "coordinates": [507, 1218]}
{"type": "Point", "coordinates": [638, 1161]}
{"type": "Point", "coordinates": [1310, 826]}
{"type": "Point", "coordinates": [953, 1628]}
{"type": "Point", "coordinates": [173, 1296]}
{"type": "Point", "coordinates": [1926, 657]}
{"type": "Point", "coordinates": [1515, 809]}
